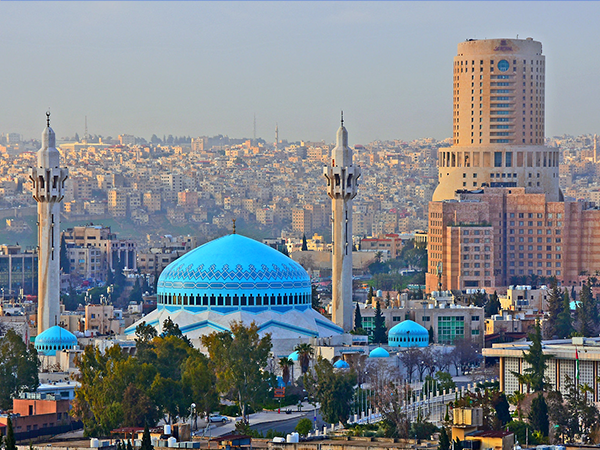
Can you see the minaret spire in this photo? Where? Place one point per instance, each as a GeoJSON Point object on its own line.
{"type": "Point", "coordinates": [342, 184]}
{"type": "Point", "coordinates": [48, 181]}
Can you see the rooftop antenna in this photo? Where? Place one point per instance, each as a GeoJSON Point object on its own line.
{"type": "Point", "coordinates": [342, 118]}
{"type": "Point", "coordinates": [233, 220]}
{"type": "Point", "coordinates": [48, 118]}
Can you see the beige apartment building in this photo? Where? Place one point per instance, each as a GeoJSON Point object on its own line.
{"type": "Point", "coordinates": [102, 319]}
{"type": "Point", "coordinates": [118, 203]}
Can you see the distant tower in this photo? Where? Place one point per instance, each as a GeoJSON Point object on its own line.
{"type": "Point", "coordinates": [276, 135]}
{"type": "Point", "coordinates": [48, 180]}
{"type": "Point", "coordinates": [342, 182]}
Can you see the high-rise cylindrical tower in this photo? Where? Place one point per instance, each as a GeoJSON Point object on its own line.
{"type": "Point", "coordinates": [48, 180]}
{"type": "Point", "coordinates": [498, 121]}
{"type": "Point", "coordinates": [342, 184]}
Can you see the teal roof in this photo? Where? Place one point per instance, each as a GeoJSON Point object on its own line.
{"type": "Point", "coordinates": [234, 271]}
{"type": "Point", "coordinates": [408, 327]}
{"type": "Point", "coordinates": [408, 334]}
{"type": "Point", "coordinates": [53, 339]}
{"type": "Point", "coordinates": [379, 353]}
{"type": "Point", "coordinates": [341, 364]}
{"type": "Point", "coordinates": [294, 356]}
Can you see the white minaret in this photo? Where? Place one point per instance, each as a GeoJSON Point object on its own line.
{"type": "Point", "coordinates": [48, 180]}
{"type": "Point", "coordinates": [342, 183]}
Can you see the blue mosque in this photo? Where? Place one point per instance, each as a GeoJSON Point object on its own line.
{"type": "Point", "coordinates": [235, 278]}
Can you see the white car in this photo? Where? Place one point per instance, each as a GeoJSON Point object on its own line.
{"type": "Point", "coordinates": [218, 418]}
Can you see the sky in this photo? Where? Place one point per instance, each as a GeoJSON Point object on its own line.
{"type": "Point", "coordinates": [208, 68]}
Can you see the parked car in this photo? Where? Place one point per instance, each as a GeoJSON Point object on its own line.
{"type": "Point", "coordinates": [218, 418]}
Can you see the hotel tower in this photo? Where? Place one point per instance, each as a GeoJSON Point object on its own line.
{"type": "Point", "coordinates": [498, 121]}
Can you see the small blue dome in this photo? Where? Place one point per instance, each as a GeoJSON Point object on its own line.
{"type": "Point", "coordinates": [294, 356]}
{"type": "Point", "coordinates": [53, 339]}
{"type": "Point", "coordinates": [341, 364]}
{"type": "Point", "coordinates": [408, 334]}
{"type": "Point", "coordinates": [379, 353]}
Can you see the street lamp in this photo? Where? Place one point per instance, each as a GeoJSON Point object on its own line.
{"type": "Point", "coordinates": [192, 410]}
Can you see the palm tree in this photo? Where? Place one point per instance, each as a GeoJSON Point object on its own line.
{"type": "Point", "coordinates": [516, 399]}
{"type": "Point", "coordinates": [305, 354]}
{"type": "Point", "coordinates": [285, 364]}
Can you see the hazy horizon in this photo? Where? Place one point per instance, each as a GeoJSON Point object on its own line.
{"type": "Point", "coordinates": [206, 68]}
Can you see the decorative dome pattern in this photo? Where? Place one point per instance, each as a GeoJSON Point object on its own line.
{"type": "Point", "coordinates": [408, 334]}
{"type": "Point", "coordinates": [235, 278]}
{"type": "Point", "coordinates": [379, 353]}
{"type": "Point", "coordinates": [234, 272]}
{"type": "Point", "coordinates": [54, 339]}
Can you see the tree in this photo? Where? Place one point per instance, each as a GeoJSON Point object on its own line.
{"type": "Point", "coordinates": [587, 312]}
{"type": "Point", "coordinates": [9, 442]}
{"type": "Point", "coordinates": [379, 329]}
{"type": "Point", "coordinates": [410, 359]}
{"type": "Point", "coordinates": [65, 262]}
{"type": "Point", "coordinates": [370, 294]}
{"type": "Point", "coordinates": [138, 408]}
{"type": "Point", "coordinates": [136, 294]}
{"type": "Point", "coordinates": [502, 409]}
{"type": "Point", "coordinates": [19, 365]}
{"type": "Point", "coordinates": [465, 354]}
{"type": "Point", "coordinates": [285, 364]}
{"type": "Point", "coordinates": [534, 376]}
{"type": "Point", "coordinates": [146, 441]}
{"type": "Point", "coordinates": [171, 328]}
{"type": "Point", "coordinates": [554, 309]}
{"type": "Point", "coordinates": [316, 301]}
{"type": "Point", "coordinates": [357, 318]}
{"type": "Point", "coordinates": [304, 426]}
{"type": "Point", "coordinates": [457, 445]}
{"type": "Point", "coordinates": [444, 443]}
{"type": "Point", "coordinates": [305, 354]}
{"type": "Point", "coordinates": [199, 380]}
{"type": "Point", "coordinates": [304, 247]}
{"type": "Point", "coordinates": [492, 306]}
{"type": "Point", "coordinates": [516, 399]}
{"type": "Point", "coordinates": [239, 357]}
{"type": "Point", "coordinates": [538, 415]}
{"type": "Point", "coordinates": [564, 321]}
{"type": "Point", "coordinates": [334, 390]}
{"type": "Point", "coordinates": [431, 335]}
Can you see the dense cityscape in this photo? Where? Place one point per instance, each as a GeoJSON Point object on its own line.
{"type": "Point", "coordinates": [253, 292]}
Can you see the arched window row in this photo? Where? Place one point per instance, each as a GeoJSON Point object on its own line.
{"type": "Point", "coordinates": [52, 347]}
{"type": "Point", "coordinates": [234, 300]}
{"type": "Point", "coordinates": [408, 340]}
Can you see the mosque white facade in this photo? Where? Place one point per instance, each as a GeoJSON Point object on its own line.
{"type": "Point", "coordinates": [235, 278]}
{"type": "Point", "coordinates": [48, 181]}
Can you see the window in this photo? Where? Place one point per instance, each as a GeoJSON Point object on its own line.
{"type": "Point", "coordinates": [497, 159]}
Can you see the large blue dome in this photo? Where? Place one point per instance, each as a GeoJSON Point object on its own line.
{"type": "Point", "coordinates": [53, 339]}
{"type": "Point", "coordinates": [234, 272]}
{"type": "Point", "coordinates": [408, 334]}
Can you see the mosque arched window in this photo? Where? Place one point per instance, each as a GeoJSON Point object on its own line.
{"type": "Point", "coordinates": [205, 300]}
{"type": "Point", "coordinates": [279, 299]}
{"type": "Point", "coordinates": [258, 300]}
{"type": "Point", "coordinates": [236, 300]}
{"type": "Point", "coordinates": [185, 300]}
{"type": "Point", "coordinates": [285, 299]}
{"type": "Point", "coordinates": [243, 300]}
{"type": "Point", "coordinates": [251, 300]}
{"type": "Point", "coordinates": [213, 300]}
{"type": "Point", "coordinates": [220, 300]}
{"type": "Point", "coordinates": [227, 300]}
{"type": "Point", "coordinates": [273, 300]}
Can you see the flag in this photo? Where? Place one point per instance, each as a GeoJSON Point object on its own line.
{"type": "Point", "coordinates": [576, 365]}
